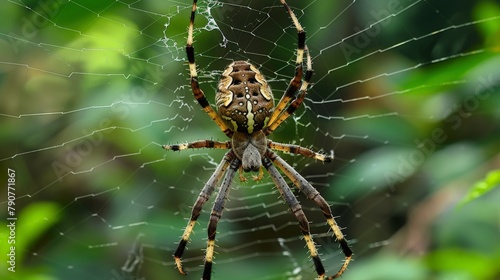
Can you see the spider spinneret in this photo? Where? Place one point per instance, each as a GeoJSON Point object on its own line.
{"type": "Point", "coordinates": [246, 113]}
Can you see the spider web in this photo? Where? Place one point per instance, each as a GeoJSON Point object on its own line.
{"type": "Point", "coordinates": [90, 92]}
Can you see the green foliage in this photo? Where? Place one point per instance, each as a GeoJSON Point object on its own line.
{"type": "Point", "coordinates": [109, 58]}
{"type": "Point", "coordinates": [480, 188]}
{"type": "Point", "coordinates": [32, 223]}
{"type": "Point", "coordinates": [464, 264]}
{"type": "Point", "coordinates": [387, 267]}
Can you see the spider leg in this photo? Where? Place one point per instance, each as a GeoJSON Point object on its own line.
{"type": "Point", "coordinates": [277, 118]}
{"type": "Point", "coordinates": [296, 209]}
{"type": "Point", "coordinates": [299, 98]}
{"type": "Point", "coordinates": [199, 144]}
{"type": "Point", "coordinates": [296, 149]}
{"type": "Point", "coordinates": [311, 193]}
{"type": "Point", "coordinates": [204, 195]}
{"type": "Point", "coordinates": [216, 214]}
{"type": "Point", "coordinates": [197, 91]}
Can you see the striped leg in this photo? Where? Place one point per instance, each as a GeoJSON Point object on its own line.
{"type": "Point", "coordinates": [216, 214]}
{"type": "Point", "coordinates": [311, 193]}
{"type": "Point", "coordinates": [198, 93]}
{"type": "Point", "coordinates": [279, 115]}
{"type": "Point", "coordinates": [199, 144]}
{"type": "Point", "coordinates": [205, 194]}
{"type": "Point", "coordinates": [296, 149]}
{"type": "Point", "coordinates": [296, 209]}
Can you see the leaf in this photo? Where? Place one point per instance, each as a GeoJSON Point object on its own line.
{"type": "Point", "coordinates": [458, 261]}
{"type": "Point", "coordinates": [491, 181]}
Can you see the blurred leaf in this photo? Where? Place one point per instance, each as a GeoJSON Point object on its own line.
{"type": "Point", "coordinates": [377, 169]}
{"type": "Point", "coordinates": [445, 76]}
{"type": "Point", "coordinates": [34, 220]}
{"type": "Point", "coordinates": [491, 181]}
{"type": "Point", "coordinates": [466, 157]}
{"type": "Point", "coordinates": [490, 29]}
{"type": "Point", "coordinates": [387, 266]}
{"type": "Point", "coordinates": [461, 262]}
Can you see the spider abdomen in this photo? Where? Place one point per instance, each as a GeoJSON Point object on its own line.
{"type": "Point", "coordinates": [244, 99]}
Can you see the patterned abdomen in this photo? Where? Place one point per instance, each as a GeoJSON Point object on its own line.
{"type": "Point", "coordinates": [244, 100]}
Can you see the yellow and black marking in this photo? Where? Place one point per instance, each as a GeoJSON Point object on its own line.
{"type": "Point", "coordinates": [216, 214]}
{"type": "Point", "coordinates": [314, 255]}
{"type": "Point", "coordinates": [343, 245]}
{"type": "Point", "coordinates": [311, 193]}
{"type": "Point", "coordinates": [198, 145]}
{"type": "Point", "coordinates": [296, 81]}
{"type": "Point", "coordinates": [198, 93]}
{"type": "Point", "coordinates": [296, 209]}
{"type": "Point", "coordinates": [182, 245]}
{"type": "Point", "coordinates": [197, 207]}
{"type": "Point", "coordinates": [298, 150]}
{"type": "Point", "coordinates": [282, 115]}
{"type": "Point", "coordinates": [209, 255]}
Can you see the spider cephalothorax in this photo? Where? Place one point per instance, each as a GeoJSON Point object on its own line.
{"type": "Point", "coordinates": [246, 114]}
{"type": "Point", "coordinates": [250, 149]}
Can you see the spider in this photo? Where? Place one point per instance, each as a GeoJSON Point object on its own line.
{"type": "Point", "coordinates": [247, 115]}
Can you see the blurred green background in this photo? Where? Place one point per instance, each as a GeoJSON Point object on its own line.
{"type": "Point", "coordinates": [405, 92]}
